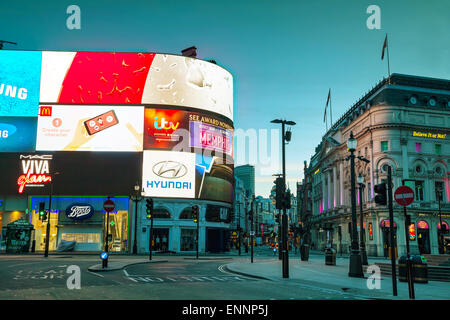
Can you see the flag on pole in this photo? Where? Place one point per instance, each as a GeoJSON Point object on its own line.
{"type": "Point", "coordinates": [326, 105]}
{"type": "Point", "coordinates": [384, 47]}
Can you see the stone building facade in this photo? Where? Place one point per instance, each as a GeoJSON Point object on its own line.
{"type": "Point", "coordinates": [403, 122]}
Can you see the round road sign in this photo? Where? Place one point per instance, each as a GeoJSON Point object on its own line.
{"type": "Point", "coordinates": [109, 205]}
{"type": "Point", "coordinates": [404, 196]}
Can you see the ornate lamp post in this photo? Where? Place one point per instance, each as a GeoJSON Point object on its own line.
{"type": "Point", "coordinates": [355, 268]}
{"type": "Point", "coordinates": [361, 222]}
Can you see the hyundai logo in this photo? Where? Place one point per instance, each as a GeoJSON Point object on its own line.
{"type": "Point", "coordinates": [170, 169]}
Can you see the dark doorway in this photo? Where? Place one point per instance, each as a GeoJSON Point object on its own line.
{"type": "Point", "coordinates": [160, 239]}
{"type": "Point", "coordinates": [217, 240]}
{"type": "Point", "coordinates": [423, 237]}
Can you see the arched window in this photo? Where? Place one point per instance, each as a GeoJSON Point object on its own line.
{"type": "Point", "coordinates": [161, 213]}
{"type": "Point", "coordinates": [186, 213]}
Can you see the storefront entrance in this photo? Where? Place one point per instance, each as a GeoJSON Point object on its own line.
{"type": "Point", "coordinates": [423, 237]}
{"type": "Point", "coordinates": [442, 235]}
{"type": "Point", "coordinates": [386, 236]}
{"type": "Point", "coordinates": [160, 239]}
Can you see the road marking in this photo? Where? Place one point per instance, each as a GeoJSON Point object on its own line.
{"type": "Point", "coordinates": [97, 274]}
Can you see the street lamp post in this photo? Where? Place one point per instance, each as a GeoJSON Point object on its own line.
{"type": "Point", "coordinates": [239, 227]}
{"type": "Point", "coordinates": [361, 222]}
{"type": "Point", "coordinates": [355, 268]}
{"type": "Point", "coordinates": [285, 137]}
{"type": "Point", "coordinates": [136, 198]}
{"type": "Point", "coordinates": [47, 235]}
{"type": "Point", "coordinates": [441, 230]}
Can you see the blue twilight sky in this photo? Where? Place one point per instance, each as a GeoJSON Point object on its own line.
{"type": "Point", "coordinates": [284, 55]}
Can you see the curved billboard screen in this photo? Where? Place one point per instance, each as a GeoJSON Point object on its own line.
{"type": "Point", "coordinates": [171, 116]}
{"type": "Point", "coordinates": [135, 78]}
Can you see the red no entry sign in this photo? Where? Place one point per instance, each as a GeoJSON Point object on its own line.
{"type": "Point", "coordinates": [404, 195]}
{"type": "Point", "coordinates": [109, 205]}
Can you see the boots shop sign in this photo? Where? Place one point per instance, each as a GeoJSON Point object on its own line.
{"type": "Point", "coordinates": [35, 171]}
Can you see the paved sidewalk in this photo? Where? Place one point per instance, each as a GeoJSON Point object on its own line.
{"type": "Point", "coordinates": [315, 273]}
{"type": "Point", "coordinates": [122, 263]}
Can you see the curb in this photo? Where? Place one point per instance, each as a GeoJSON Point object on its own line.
{"type": "Point", "coordinates": [94, 267]}
{"type": "Point", "coordinates": [246, 274]}
{"type": "Point", "coordinates": [212, 258]}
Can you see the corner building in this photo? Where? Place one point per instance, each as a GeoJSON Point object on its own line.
{"type": "Point", "coordinates": [403, 122]}
{"type": "Point", "coordinates": [124, 125]}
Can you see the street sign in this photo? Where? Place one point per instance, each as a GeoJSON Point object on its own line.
{"type": "Point", "coordinates": [104, 255]}
{"type": "Point", "coordinates": [109, 205]}
{"type": "Point", "coordinates": [404, 196]}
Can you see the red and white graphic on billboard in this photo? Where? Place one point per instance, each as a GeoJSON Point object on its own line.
{"type": "Point", "coordinates": [135, 78]}
{"type": "Point", "coordinates": [94, 77]}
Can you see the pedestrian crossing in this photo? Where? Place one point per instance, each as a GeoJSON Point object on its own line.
{"type": "Point", "coordinates": [186, 278]}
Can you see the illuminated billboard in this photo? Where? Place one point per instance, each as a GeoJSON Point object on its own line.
{"type": "Point", "coordinates": [168, 174]}
{"type": "Point", "coordinates": [182, 130]}
{"type": "Point", "coordinates": [19, 83]}
{"type": "Point", "coordinates": [18, 134]}
{"type": "Point", "coordinates": [135, 78]}
{"type": "Point", "coordinates": [214, 178]}
{"type": "Point", "coordinates": [89, 128]}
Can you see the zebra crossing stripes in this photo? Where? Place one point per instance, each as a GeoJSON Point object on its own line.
{"type": "Point", "coordinates": [188, 278]}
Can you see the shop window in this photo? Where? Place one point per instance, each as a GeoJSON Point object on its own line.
{"type": "Point", "coordinates": [81, 237]}
{"type": "Point", "coordinates": [187, 240]}
{"type": "Point", "coordinates": [419, 190]}
{"type": "Point", "coordinates": [438, 148]}
{"type": "Point", "coordinates": [418, 147]}
{"type": "Point", "coordinates": [384, 146]}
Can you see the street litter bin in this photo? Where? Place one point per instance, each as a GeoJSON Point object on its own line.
{"type": "Point", "coordinates": [304, 252]}
{"type": "Point", "coordinates": [419, 269]}
{"type": "Point", "coordinates": [330, 257]}
{"type": "Point", "coordinates": [402, 269]}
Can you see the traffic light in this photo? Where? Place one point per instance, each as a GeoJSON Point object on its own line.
{"type": "Point", "coordinates": [42, 213]}
{"type": "Point", "coordinates": [195, 213]}
{"type": "Point", "coordinates": [279, 189]}
{"type": "Point", "coordinates": [287, 200]}
{"type": "Point", "coordinates": [277, 218]}
{"type": "Point", "coordinates": [381, 194]}
{"type": "Point", "coordinates": [149, 208]}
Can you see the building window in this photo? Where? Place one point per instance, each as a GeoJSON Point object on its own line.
{"type": "Point", "coordinates": [187, 240]}
{"type": "Point", "coordinates": [160, 213]}
{"type": "Point", "coordinates": [438, 149]}
{"type": "Point", "coordinates": [439, 185]}
{"type": "Point", "coordinates": [419, 190]}
{"type": "Point", "coordinates": [418, 147]}
{"type": "Point", "coordinates": [187, 213]}
{"type": "Point", "coordinates": [384, 146]}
